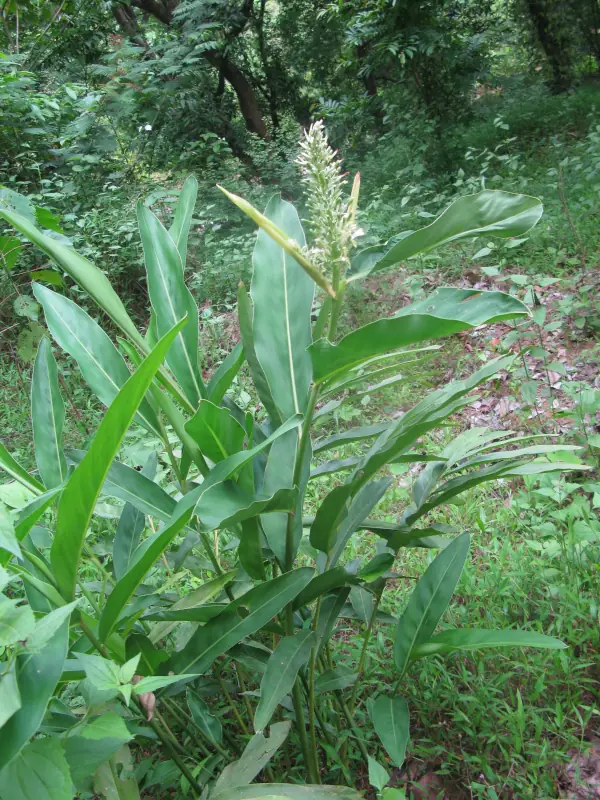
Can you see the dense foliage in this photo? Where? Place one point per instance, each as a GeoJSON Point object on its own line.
{"type": "Point", "coordinates": [244, 473]}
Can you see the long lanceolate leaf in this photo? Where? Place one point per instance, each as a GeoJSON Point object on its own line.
{"type": "Point", "coordinates": [429, 600]}
{"type": "Point", "coordinates": [171, 301]}
{"type": "Point", "coordinates": [83, 272]}
{"type": "Point", "coordinates": [283, 295]}
{"type": "Point", "coordinates": [445, 312]}
{"type": "Point", "coordinates": [130, 527]}
{"type": "Point", "coordinates": [142, 561]}
{"type": "Point", "coordinates": [47, 416]}
{"type": "Point", "coordinates": [494, 213]}
{"type": "Point", "coordinates": [227, 629]}
{"type": "Point", "coordinates": [184, 211]}
{"type": "Point", "coordinates": [15, 470]}
{"type": "Point", "coordinates": [81, 492]}
{"type": "Point", "coordinates": [291, 653]}
{"type": "Point", "coordinates": [390, 719]}
{"type": "Point", "coordinates": [476, 639]}
{"type": "Point", "coordinates": [102, 366]}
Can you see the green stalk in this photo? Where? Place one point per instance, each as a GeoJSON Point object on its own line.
{"type": "Point", "coordinates": [363, 652]}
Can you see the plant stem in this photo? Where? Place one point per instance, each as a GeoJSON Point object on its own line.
{"type": "Point", "coordinates": [230, 701]}
{"type": "Point", "coordinates": [363, 652]}
{"type": "Point", "coordinates": [353, 726]}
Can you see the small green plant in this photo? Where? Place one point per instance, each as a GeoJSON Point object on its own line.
{"type": "Point", "coordinates": [102, 642]}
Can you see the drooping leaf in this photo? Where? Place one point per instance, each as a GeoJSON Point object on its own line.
{"type": "Point", "coordinates": [475, 639]}
{"type": "Point", "coordinates": [135, 488]}
{"type": "Point", "coordinates": [37, 676]}
{"type": "Point", "coordinates": [15, 470]}
{"type": "Point", "coordinates": [250, 549]}
{"type": "Point", "coordinates": [81, 492]}
{"type": "Point", "coordinates": [445, 312]}
{"type": "Point", "coordinates": [209, 724]}
{"type": "Point", "coordinates": [391, 721]}
{"type": "Point", "coordinates": [227, 629]}
{"type": "Point", "coordinates": [293, 791]}
{"type": "Point", "coordinates": [282, 294]}
{"type": "Point", "coordinates": [289, 656]}
{"type": "Point", "coordinates": [322, 584]}
{"type": "Point", "coordinates": [494, 213]}
{"type": "Point", "coordinates": [349, 436]}
{"type": "Point", "coordinates": [83, 272]}
{"type": "Point", "coordinates": [199, 597]}
{"type": "Point", "coordinates": [215, 431]}
{"type": "Point", "coordinates": [142, 560]}
{"type": "Point", "coordinates": [360, 508]}
{"type": "Point", "coordinates": [131, 526]}
{"type": "Point", "coordinates": [330, 514]}
{"type": "Point", "coordinates": [258, 752]}
{"type": "Point", "coordinates": [363, 603]}
{"type": "Point", "coordinates": [171, 301]}
{"type": "Point", "coordinates": [429, 600]}
{"type": "Point", "coordinates": [47, 416]}
{"type": "Point", "coordinates": [336, 679]}
{"type": "Point", "coordinates": [331, 607]}
{"type": "Point", "coordinates": [102, 366]}
{"type": "Point", "coordinates": [184, 211]}
{"type": "Point", "coordinates": [39, 772]}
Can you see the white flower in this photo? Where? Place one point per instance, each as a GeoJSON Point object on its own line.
{"type": "Point", "coordinates": [147, 127]}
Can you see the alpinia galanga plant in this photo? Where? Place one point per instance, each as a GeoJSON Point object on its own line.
{"type": "Point", "coordinates": [96, 656]}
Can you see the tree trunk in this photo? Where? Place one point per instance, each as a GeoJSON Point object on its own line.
{"type": "Point", "coordinates": [243, 88]}
{"type": "Point", "coordinates": [551, 21]}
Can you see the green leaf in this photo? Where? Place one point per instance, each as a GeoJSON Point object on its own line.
{"type": "Point", "coordinates": [323, 584]}
{"type": "Point", "coordinates": [131, 526]}
{"type": "Point", "coordinates": [10, 697]}
{"type": "Point", "coordinates": [115, 779]}
{"type": "Point", "coordinates": [336, 679]}
{"type": "Point", "coordinates": [391, 721]}
{"type": "Point", "coordinates": [258, 752]}
{"type": "Point", "coordinates": [102, 366]}
{"type": "Point", "coordinates": [363, 603]}
{"type": "Point", "coordinates": [215, 431]}
{"type": "Point", "coordinates": [47, 626]}
{"type": "Point", "coordinates": [474, 639]}
{"type": "Point", "coordinates": [246, 323]}
{"type": "Point", "coordinates": [445, 312]}
{"type": "Point", "coordinates": [16, 621]}
{"type": "Point", "coordinates": [378, 775]}
{"type": "Point", "coordinates": [283, 666]}
{"type": "Point", "coordinates": [349, 436]}
{"type": "Point", "coordinates": [81, 492]}
{"type": "Point", "coordinates": [331, 607]}
{"type": "Point", "coordinates": [154, 682]}
{"type": "Point", "coordinates": [143, 559]}
{"type": "Point", "coordinates": [209, 724]}
{"type": "Point", "coordinates": [200, 596]}
{"type": "Point", "coordinates": [10, 248]}
{"type": "Point", "coordinates": [360, 508]}
{"type": "Point", "coordinates": [225, 373]}
{"type": "Point", "coordinates": [96, 743]}
{"type": "Point", "coordinates": [250, 549]}
{"type": "Point", "coordinates": [8, 464]}
{"type": "Point", "coordinates": [180, 229]}
{"type": "Point", "coordinates": [293, 791]}
{"type": "Point", "coordinates": [377, 566]}
{"type": "Point", "coordinates": [132, 486]}
{"type": "Point", "coordinates": [278, 474]}
{"type": "Point", "coordinates": [494, 213]}
{"type": "Point", "coordinates": [332, 511]}
{"type": "Point", "coordinates": [283, 295]}
{"type": "Point", "coordinates": [47, 416]}
{"type": "Point", "coordinates": [171, 301]}
{"type": "Point", "coordinates": [8, 540]}
{"type": "Point", "coordinates": [262, 603]}
{"type": "Point", "coordinates": [39, 772]}
{"type": "Point", "coordinates": [37, 676]}
{"type": "Point", "coordinates": [429, 600]}
{"type": "Point", "coordinates": [83, 272]}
